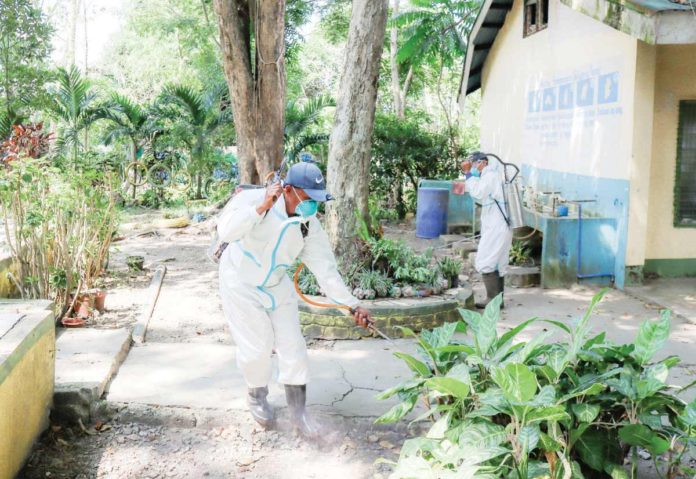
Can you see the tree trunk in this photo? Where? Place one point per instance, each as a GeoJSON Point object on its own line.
{"type": "Point", "coordinates": [258, 96]}
{"type": "Point", "coordinates": [393, 50]}
{"type": "Point", "coordinates": [270, 86]}
{"type": "Point", "coordinates": [72, 33]}
{"type": "Point", "coordinates": [350, 142]}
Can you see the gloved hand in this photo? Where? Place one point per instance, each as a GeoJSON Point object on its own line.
{"type": "Point", "coordinates": [362, 317]}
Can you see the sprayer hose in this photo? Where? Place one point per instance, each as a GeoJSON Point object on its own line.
{"type": "Point", "coordinates": [311, 302]}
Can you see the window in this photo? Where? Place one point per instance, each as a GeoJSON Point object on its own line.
{"type": "Point", "coordinates": [685, 185]}
{"type": "Point", "coordinates": [536, 16]}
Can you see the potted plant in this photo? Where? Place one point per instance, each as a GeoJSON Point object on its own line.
{"type": "Point", "coordinates": [450, 268]}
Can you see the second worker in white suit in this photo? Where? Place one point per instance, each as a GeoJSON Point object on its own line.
{"type": "Point", "coordinates": [485, 185]}
{"type": "Point", "coordinates": [267, 230]}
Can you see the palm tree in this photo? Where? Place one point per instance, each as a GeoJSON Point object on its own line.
{"type": "Point", "coordinates": [298, 120]}
{"type": "Point", "coordinates": [73, 104]}
{"type": "Point", "coordinates": [202, 114]}
{"type": "Point", "coordinates": [128, 122]}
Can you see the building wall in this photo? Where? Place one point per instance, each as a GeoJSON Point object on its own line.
{"type": "Point", "coordinates": [560, 103]}
{"type": "Point", "coordinates": [670, 251]}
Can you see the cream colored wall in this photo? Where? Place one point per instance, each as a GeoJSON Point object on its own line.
{"type": "Point", "coordinates": [675, 81]}
{"type": "Point", "coordinates": [570, 44]}
{"type": "Point", "coordinates": [640, 160]}
{"type": "Point", "coordinates": [26, 392]}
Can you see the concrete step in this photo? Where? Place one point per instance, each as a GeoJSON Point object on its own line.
{"type": "Point", "coordinates": [86, 361]}
{"type": "Point", "coordinates": [523, 276]}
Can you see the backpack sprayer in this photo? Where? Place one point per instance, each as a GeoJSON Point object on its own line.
{"type": "Point", "coordinates": [511, 196]}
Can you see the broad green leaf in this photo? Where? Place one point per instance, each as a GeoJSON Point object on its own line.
{"type": "Point", "coordinates": [404, 386]}
{"type": "Point", "coordinates": [517, 381]}
{"type": "Point", "coordinates": [616, 471]}
{"type": "Point", "coordinates": [591, 390]}
{"type": "Point", "coordinates": [585, 412]}
{"type": "Point", "coordinates": [552, 413]}
{"type": "Point", "coordinates": [415, 365]}
{"type": "Point", "coordinates": [398, 411]}
{"type": "Point", "coordinates": [558, 324]}
{"type": "Point", "coordinates": [557, 360]}
{"type": "Point", "coordinates": [653, 421]}
{"type": "Point", "coordinates": [643, 436]}
{"type": "Point", "coordinates": [545, 397]}
{"type": "Point", "coordinates": [441, 408]}
{"type": "Point", "coordinates": [448, 386]}
{"type": "Point", "coordinates": [548, 444]}
{"type": "Point", "coordinates": [529, 438]}
{"type": "Point", "coordinates": [510, 335]}
{"type": "Point", "coordinates": [688, 417]}
{"type": "Point", "coordinates": [492, 402]}
{"type": "Point", "coordinates": [461, 373]}
{"type": "Point", "coordinates": [577, 433]}
{"type": "Point", "coordinates": [438, 430]}
{"type": "Point", "coordinates": [652, 335]}
{"type": "Point", "coordinates": [440, 336]}
{"type": "Point", "coordinates": [599, 447]}
{"type": "Point", "coordinates": [670, 361]}
{"type": "Point", "coordinates": [523, 355]}
{"type": "Point", "coordinates": [482, 434]}
{"type": "Point", "coordinates": [456, 348]}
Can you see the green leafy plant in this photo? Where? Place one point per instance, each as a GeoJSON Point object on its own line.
{"type": "Point", "coordinates": [520, 255]}
{"type": "Point", "coordinates": [573, 408]}
{"type": "Point", "coordinates": [449, 266]}
{"type": "Point", "coordinates": [374, 280]}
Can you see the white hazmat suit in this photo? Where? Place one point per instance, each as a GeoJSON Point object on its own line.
{"type": "Point", "coordinates": [496, 236]}
{"type": "Point", "coordinates": [258, 297]}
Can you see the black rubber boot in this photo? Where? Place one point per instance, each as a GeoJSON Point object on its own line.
{"type": "Point", "coordinates": [297, 400]}
{"type": "Point", "coordinates": [492, 283]}
{"type": "Point", "coordinates": [259, 407]}
{"type": "Point", "coordinates": [501, 289]}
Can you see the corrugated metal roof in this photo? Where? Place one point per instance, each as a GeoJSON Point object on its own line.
{"type": "Point", "coordinates": [490, 20]}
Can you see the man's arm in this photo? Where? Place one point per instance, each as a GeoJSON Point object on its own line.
{"type": "Point", "coordinates": [243, 212]}
{"type": "Point", "coordinates": [319, 258]}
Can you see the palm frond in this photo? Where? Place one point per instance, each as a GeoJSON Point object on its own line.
{"type": "Point", "coordinates": [190, 100]}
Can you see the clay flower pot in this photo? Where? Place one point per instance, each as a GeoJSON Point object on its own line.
{"type": "Point", "coordinates": [99, 300]}
{"type": "Point", "coordinates": [72, 322]}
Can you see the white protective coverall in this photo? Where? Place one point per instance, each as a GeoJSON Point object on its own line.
{"type": "Point", "coordinates": [496, 236]}
{"type": "Point", "coordinates": [258, 297]}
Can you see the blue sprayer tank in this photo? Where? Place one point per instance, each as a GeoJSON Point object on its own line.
{"type": "Point", "coordinates": [431, 212]}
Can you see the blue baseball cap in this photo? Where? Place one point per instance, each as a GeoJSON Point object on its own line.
{"type": "Point", "coordinates": [309, 178]}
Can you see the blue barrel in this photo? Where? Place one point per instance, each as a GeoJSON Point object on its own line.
{"type": "Point", "coordinates": [431, 212]}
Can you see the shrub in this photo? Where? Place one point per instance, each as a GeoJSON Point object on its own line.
{"type": "Point", "coordinates": [569, 409]}
{"type": "Point", "coordinates": [59, 228]}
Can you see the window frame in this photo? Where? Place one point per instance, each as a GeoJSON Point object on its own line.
{"type": "Point", "coordinates": [541, 22]}
{"type": "Point", "coordinates": [678, 217]}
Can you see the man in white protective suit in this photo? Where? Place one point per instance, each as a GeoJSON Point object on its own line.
{"type": "Point", "coordinates": [267, 230]}
{"type": "Point", "coordinates": [485, 185]}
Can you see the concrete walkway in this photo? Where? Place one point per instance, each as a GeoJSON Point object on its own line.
{"type": "Point", "coordinates": [676, 294]}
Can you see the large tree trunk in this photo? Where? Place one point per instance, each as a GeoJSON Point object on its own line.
{"type": "Point", "coordinates": [393, 50]}
{"type": "Point", "coordinates": [258, 95]}
{"type": "Point", "coordinates": [350, 143]}
{"type": "Point", "coordinates": [270, 85]}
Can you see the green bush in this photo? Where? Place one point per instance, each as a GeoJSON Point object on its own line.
{"type": "Point", "coordinates": [568, 409]}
